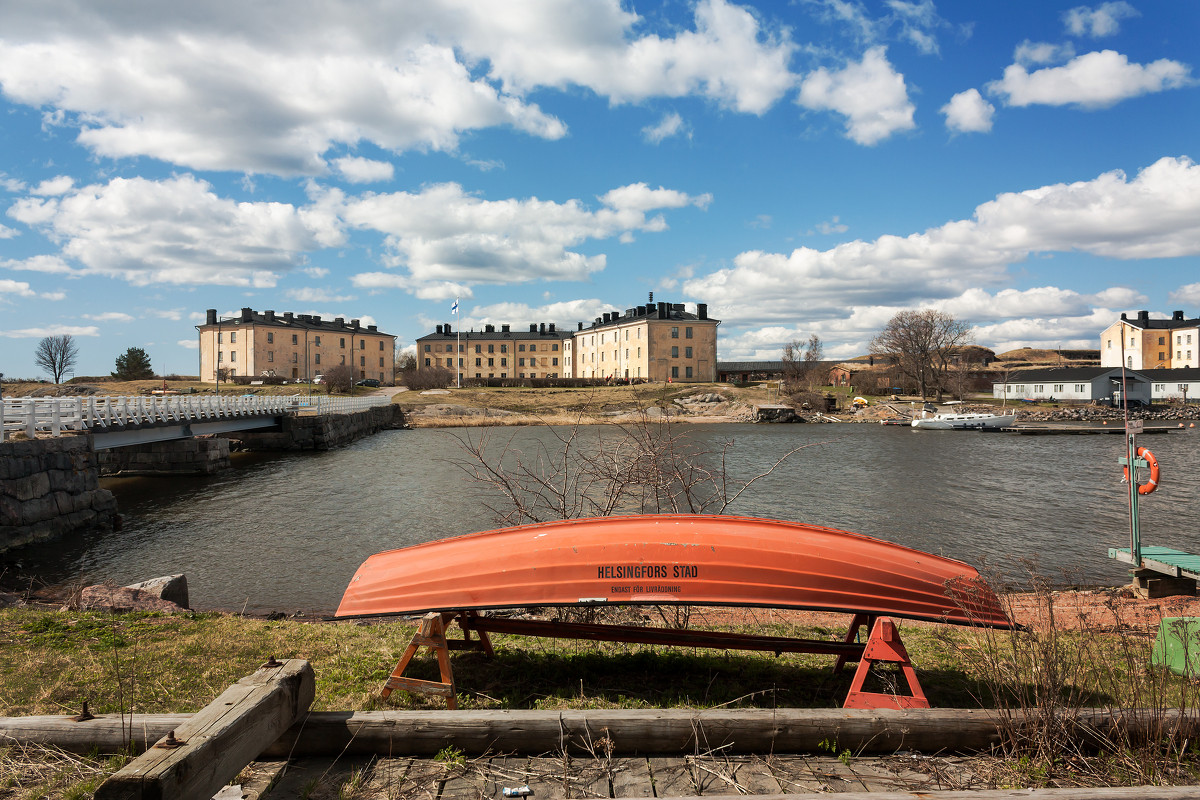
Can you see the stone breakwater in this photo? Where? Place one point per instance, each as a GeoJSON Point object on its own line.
{"type": "Point", "coordinates": [49, 487]}
{"type": "Point", "coordinates": [324, 432]}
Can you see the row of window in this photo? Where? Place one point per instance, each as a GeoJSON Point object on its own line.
{"type": "Point", "coordinates": [491, 362]}
{"type": "Point", "coordinates": [362, 360]}
{"type": "Point", "coordinates": [491, 348]}
{"type": "Point", "coordinates": [1178, 355]}
{"type": "Point", "coordinates": [316, 340]}
{"type": "Point", "coordinates": [1039, 388]}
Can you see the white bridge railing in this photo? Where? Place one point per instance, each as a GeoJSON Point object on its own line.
{"type": "Point", "coordinates": [54, 415]}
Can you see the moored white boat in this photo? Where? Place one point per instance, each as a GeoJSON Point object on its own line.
{"type": "Point", "coordinates": [965, 422]}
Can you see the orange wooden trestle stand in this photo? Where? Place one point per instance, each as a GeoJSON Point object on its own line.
{"type": "Point", "coordinates": [884, 646]}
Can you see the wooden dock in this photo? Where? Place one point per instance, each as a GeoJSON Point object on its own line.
{"type": "Point", "coordinates": [1083, 429]}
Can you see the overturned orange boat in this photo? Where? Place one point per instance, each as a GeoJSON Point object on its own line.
{"type": "Point", "coordinates": [672, 559]}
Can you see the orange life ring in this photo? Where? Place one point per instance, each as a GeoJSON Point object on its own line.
{"type": "Point", "coordinates": [1152, 484]}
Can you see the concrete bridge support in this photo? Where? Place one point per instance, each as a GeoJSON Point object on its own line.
{"type": "Point", "coordinates": [174, 457]}
{"type": "Point", "coordinates": [324, 432]}
{"type": "Point", "coordinates": [50, 487]}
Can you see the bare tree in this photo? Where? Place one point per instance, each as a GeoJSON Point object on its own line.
{"type": "Point", "coordinates": [338, 379]}
{"type": "Point", "coordinates": [56, 355]}
{"type": "Point", "coordinates": [921, 344]}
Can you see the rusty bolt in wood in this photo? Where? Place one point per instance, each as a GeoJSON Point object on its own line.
{"type": "Point", "coordinates": [84, 715]}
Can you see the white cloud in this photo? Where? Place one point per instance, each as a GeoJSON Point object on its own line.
{"type": "Point", "coordinates": [315, 272]}
{"type": "Point", "coordinates": [1154, 215]}
{"type": "Point", "coordinates": [1032, 53]}
{"type": "Point", "coordinates": [832, 226]}
{"type": "Point", "coordinates": [188, 344]}
{"type": "Point", "coordinates": [968, 112]}
{"type": "Point", "coordinates": [564, 314]}
{"type": "Point", "coordinates": [51, 330]}
{"type": "Point", "coordinates": [308, 295]}
{"type": "Point", "coordinates": [870, 94]}
{"type": "Point", "coordinates": [10, 184]}
{"type": "Point", "coordinates": [670, 125]}
{"type": "Point", "coordinates": [364, 170]}
{"type": "Point", "coordinates": [171, 313]}
{"type": "Point", "coordinates": [19, 288]}
{"type": "Point", "coordinates": [8, 233]}
{"type": "Point", "coordinates": [54, 186]}
{"type": "Point", "coordinates": [1092, 80]}
{"type": "Point", "coordinates": [52, 265]}
{"type": "Point", "coordinates": [109, 316]}
{"type": "Point", "coordinates": [53, 296]}
{"type": "Point", "coordinates": [1189, 293]}
{"type": "Point", "coordinates": [260, 88]}
{"type": "Point", "coordinates": [1103, 20]}
{"type": "Point", "coordinates": [445, 237]}
{"type": "Point", "coordinates": [175, 231]}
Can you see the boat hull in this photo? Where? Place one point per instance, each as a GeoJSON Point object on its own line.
{"type": "Point", "coordinates": [671, 559]}
{"type": "Point", "coordinates": [965, 422]}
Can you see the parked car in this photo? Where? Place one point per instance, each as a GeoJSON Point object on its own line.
{"type": "Point", "coordinates": [374, 384]}
{"type": "Point", "coordinates": [318, 379]}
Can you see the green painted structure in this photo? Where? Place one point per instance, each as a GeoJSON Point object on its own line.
{"type": "Point", "coordinates": [1177, 645]}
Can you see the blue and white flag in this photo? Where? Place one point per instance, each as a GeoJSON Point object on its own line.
{"type": "Point", "coordinates": [454, 308]}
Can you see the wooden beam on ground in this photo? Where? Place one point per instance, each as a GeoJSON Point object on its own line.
{"type": "Point", "coordinates": [214, 745]}
{"type": "Point", "coordinates": [633, 731]}
{"type": "Point", "coordinates": [1098, 793]}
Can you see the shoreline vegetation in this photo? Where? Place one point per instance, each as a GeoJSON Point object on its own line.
{"type": "Point", "coordinates": [1079, 649]}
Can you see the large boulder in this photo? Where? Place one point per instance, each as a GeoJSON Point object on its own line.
{"type": "Point", "coordinates": [172, 588]}
{"type": "Point", "coordinates": [122, 599]}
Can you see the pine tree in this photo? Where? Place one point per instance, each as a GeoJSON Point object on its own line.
{"type": "Point", "coordinates": [133, 365]}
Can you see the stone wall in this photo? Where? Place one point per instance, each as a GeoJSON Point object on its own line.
{"type": "Point", "coordinates": [50, 487]}
{"type": "Point", "coordinates": [325, 432]}
{"type": "Point", "coordinates": [175, 457]}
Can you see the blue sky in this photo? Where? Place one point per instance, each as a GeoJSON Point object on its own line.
{"type": "Point", "coordinates": [804, 167]}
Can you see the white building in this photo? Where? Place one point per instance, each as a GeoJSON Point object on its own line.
{"type": "Point", "coordinates": [1072, 385]}
{"type": "Point", "coordinates": [1174, 385]}
{"type": "Point", "coordinates": [1151, 343]}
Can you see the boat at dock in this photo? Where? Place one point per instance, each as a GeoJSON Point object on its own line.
{"type": "Point", "coordinates": [965, 422]}
{"type": "Point", "coordinates": [671, 559]}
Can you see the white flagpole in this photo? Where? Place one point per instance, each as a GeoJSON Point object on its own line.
{"type": "Point", "coordinates": [458, 355]}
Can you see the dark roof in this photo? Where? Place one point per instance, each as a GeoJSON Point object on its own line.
{"type": "Point", "coordinates": [303, 322]}
{"type": "Point", "coordinates": [449, 335]}
{"type": "Point", "coordinates": [660, 311]}
{"type": "Point", "coordinates": [1067, 374]}
{"type": "Point", "coordinates": [1164, 375]}
{"type": "Point", "coordinates": [1143, 321]}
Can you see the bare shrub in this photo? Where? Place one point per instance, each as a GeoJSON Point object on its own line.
{"type": "Point", "coordinates": [430, 378]}
{"type": "Point", "coordinates": [338, 379]}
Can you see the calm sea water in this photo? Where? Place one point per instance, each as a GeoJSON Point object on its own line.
{"type": "Point", "coordinates": [287, 532]}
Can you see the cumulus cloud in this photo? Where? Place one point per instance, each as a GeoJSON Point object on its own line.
{"type": "Point", "coordinates": [8, 233]}
{"type": "Point", "coordinates": [564, 314]}
{"type": "Point", "coordinates": [51, 330]}
{"type": "Point", "coordinates": [1189, 293]}
{"type": "Point", "coordinates": [670, 125]}
{"type": "Point", "coordinates": [1033, 53]}
{"type": "Point", "coordinates": [175, 231]}
{"type": "Point", "coordinates": [364, 170]}
{"type": "Point", "coordinates": [309, 295]}
{"type": "Point", "coordinates": [260, 88]}
{"type": "Point", "coordinates": [42, 263]}
{"type": "Point", "coordinates": [109, 316]}
{"type": "Point", "coordinates": [54, 186]}
{"type": "Point", "coordinates": [18, 288]}
{"type": "Point", "coordinates": [446, 238]}
{"type": "Point", "coordinates": [1156, 214]}
{"type": "Point", "coordinates": [188, 344]}
{"type": "Point", "coordinates": [1103, 20]}
{"type": "Point", "coordinates": [1092, 80]}
{"type": "Point", "coordinates": [968, 112]}
{"type": "Point", "coordinates": [870, 94]}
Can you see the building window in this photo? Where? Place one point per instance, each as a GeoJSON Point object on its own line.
{"type": "Point", "coordinates": [1160, 355]}
{"type": "Point", "coordinates": [343, 359]}
{"type": "Point", "coordinates": [220, 356]}
{"type": "Point", "coordinates": [427, 362]}
{"type": "Point", "coordinates": [362, 344]}
{"type": "Point", "coordinates": [1110, 344]}
{"type": "Point", "coordinates": [317, 358]}
{"type": "Point", "coordinates": [532, 347]}
{"type": "Point", "coordinates": [1058, 387]}
{"type": "Point", "coordinates": [270, 355]}
{"type": "Point", "coordinates": [478, 349]}
{"type": "Point", "coordinates": [687, 333]}
{"type": "Point", "coordinates": [675, 335]}
{"type": "Point", "coordinates": [295, 339]}
{"type": "Point", "coordinates": [381, 346]}
{"type": "Point", "coordinates": [1081, 387]}
{"type": "Point", "coordinates": [270, 338]}
{"type": "Point", "coordinates": [317, 341]}
{"type": "Point", "coordinates": [521, 363]}
{"type": "Point", "coordinates": [491, 363]}
{"type": "Point", "coordinates": [341, 341]}
{"type": "Point", "coordinates": [219, 335]}
{"type": "Point", "coordinates": [675, 353]}
{"type": "Point", "coordinates": [381, 361]}
{"type": "Point", "coordinates": [1161, 341]}
{"type": "Point", "coordinates": [521, 349]}
{"type": "Point", "coordinates": [478, 364]}
{"type": "Point", "coordinates": [503, 348]}
{"type": "Point", "coordinates": [426, 348]}
{"type": "Point", "coordinates": [233, 337]}
{"type": "Point", "coordinates": [504, 362]}
{"type": "Point", "coordinates": [1130, 364]}
{"type": "Point", "coordinates": [554, 347]}
{"type": "Point", "coordinates": [449, 348]}
{"type": "Point", "coordinates": [491, 349]}
{"type": "Point", "coordinates": [295, 358]}
{"type": "Point", "coordinates": [362, 361]}
{"type": "Point", "coordinates": [687, 372]}
{"type": "Point", "coordinates": [554, 362]}
{"type": "Point", "coordinates": [1131, 341]}
{"type": "Point", "coordinates": [674, 372]}
{"type": "Point", "coordinates": [687, 352]}
{"type": "Point", "coordinates": [449, 362]}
